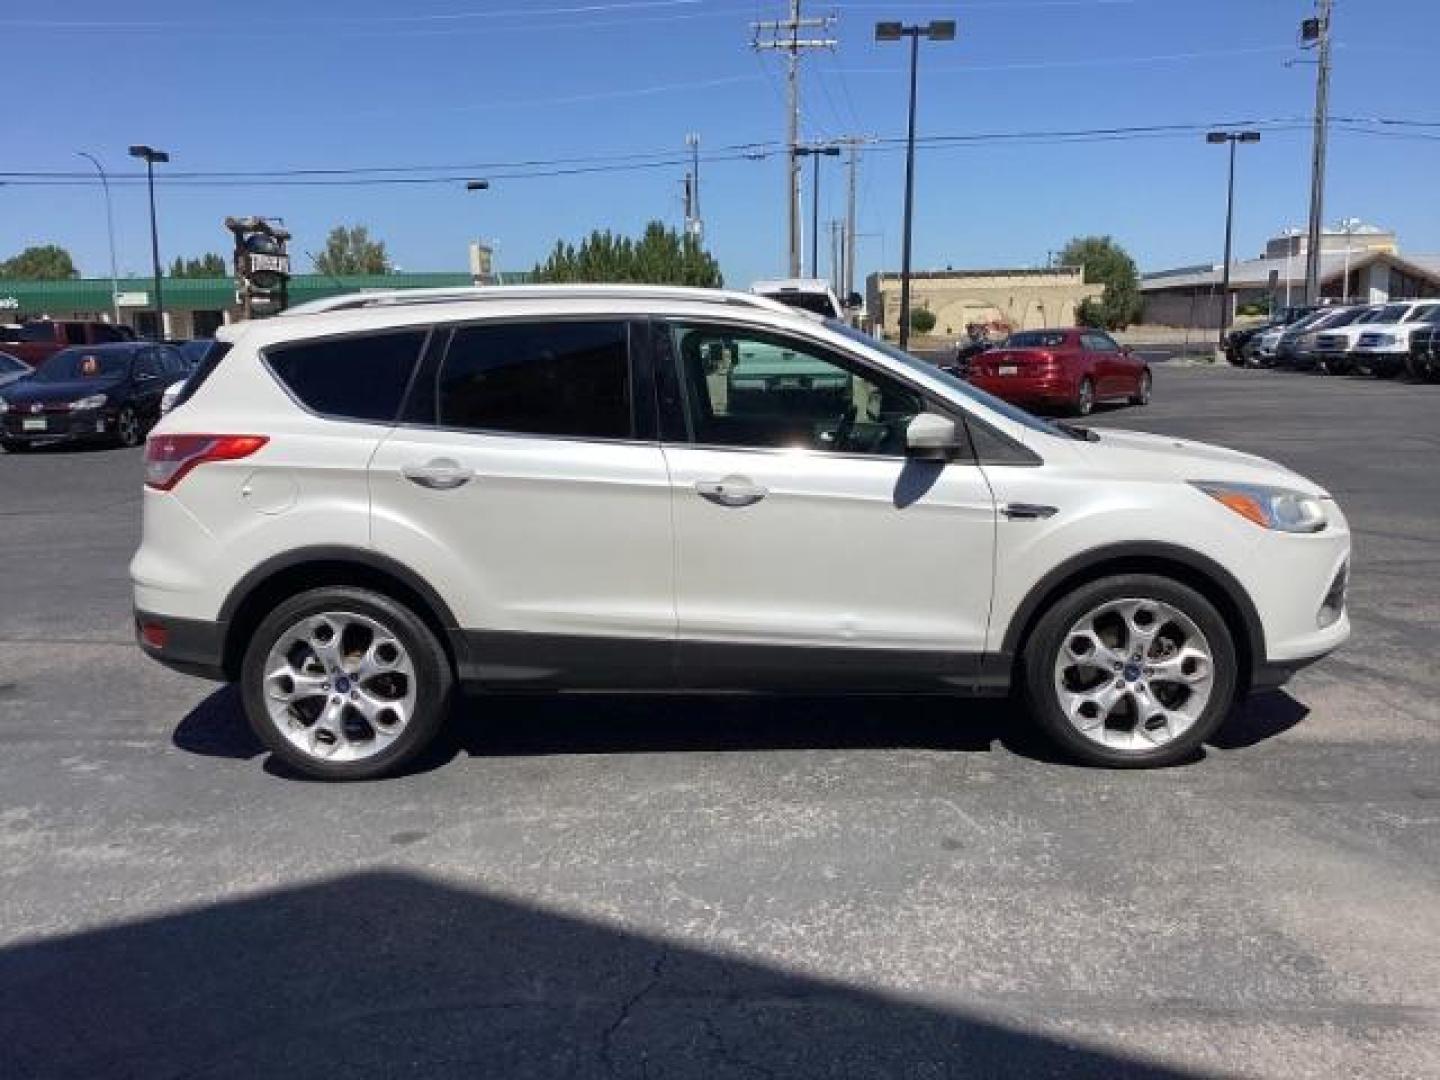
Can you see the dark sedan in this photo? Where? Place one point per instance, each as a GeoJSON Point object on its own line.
{"type": "Point", "coordinates": [90, 392]}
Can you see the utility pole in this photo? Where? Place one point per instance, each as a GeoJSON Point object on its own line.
{"type": "Point", "coordinates": [1317, 30]}
{"type": "Point", "coordinates": [694, 224]}
{"type": "Point", "coordinates": [845, 286]}
{"type": "Point", "coordinates": [784, 35]}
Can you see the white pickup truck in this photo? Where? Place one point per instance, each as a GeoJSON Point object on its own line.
{"type": "Point", "coordinates": [1378, 341]}
{"type": "Point", "coordinates": [1382, 347]}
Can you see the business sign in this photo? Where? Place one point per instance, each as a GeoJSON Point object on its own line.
{"type": "Point", "coordinates": [140, 298]}
{"type": "Point", "coordinates": [9, 303]}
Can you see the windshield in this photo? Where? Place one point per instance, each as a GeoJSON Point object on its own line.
{"type": "Point", "coordinates": [1035, 339]}
{"type": "Point", "coordinates": [973, 393]}
{"type": "Point", "coordinates": [71, 365]}
{"type": "Point", "coordinates": [1341, 318]}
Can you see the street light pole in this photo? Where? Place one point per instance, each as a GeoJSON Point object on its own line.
{"type": "Point", "coordinates": [151, 156]}
{"type": "Point", "coordinates": [814, 153]}
{"type": "Point", "coordinates": [939, 30]}
{"type": "Point", "coordinates": [110, 232]}
{"type": "Point", "coordinates": [1231, 137]}
{"type": "Point", "coordinates": [479, 185]}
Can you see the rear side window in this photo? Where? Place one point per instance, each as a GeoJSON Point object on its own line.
{"type": "Point", "coordinates": [353, 378]}
{"type": "Point", "coordinates": [559, 378]}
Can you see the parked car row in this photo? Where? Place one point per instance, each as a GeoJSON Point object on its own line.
{"type": "Point", "coordinates": [94, 392]}
{"type": "Point", "coordinates": [1384, 340]}
{"type": "Point", "coordinates": [1067, 370]}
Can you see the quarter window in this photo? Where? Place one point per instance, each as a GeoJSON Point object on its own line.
{"type": "Point", "coordinates": [556, 378]}
{"type": "Point", "coordinates": [354, 378]}
{"type": "Point", "coordinates": [749, 388]}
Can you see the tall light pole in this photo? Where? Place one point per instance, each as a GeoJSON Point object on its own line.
{"type": "Point", "coordinates": [815, 153]}
{"type": "Point", "coordinates": [1348, 226]}
{"type": "Point", "coordinates": [110, 232]}
{"type": "Point", "coordinates": [939, 30]}
{"type": "Point", "coordinates": [1317, 30]}
{"type": "Point", "coordinates": [478, 185]}
{"type": "Point", "coordinates": [1231, 137]}
{"type": "Point", "coordinates": [151, 157]}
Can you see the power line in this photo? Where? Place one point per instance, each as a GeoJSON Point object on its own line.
{"type": "Point", "coordinates": [539, 168]}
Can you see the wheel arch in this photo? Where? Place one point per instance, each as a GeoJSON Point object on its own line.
{"type": "Point", "coordinates": [1201, 573]}
{"type": "Point", "coordinates": [276, 579]}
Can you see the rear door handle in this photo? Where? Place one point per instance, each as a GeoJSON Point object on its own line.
{"type": "Point", "coordinates": [731, 491]}
{"type": "Point", "coordinates": [438, 474]}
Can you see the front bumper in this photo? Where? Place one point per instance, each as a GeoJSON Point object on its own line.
{"type": "Point", "coordinates": [16, 426]}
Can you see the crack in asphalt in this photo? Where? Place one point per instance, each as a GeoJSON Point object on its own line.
{"type": "Point", "coordinates": [608, 1035]}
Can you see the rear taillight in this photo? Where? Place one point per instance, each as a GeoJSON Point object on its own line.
{"type": "Point", "coordinates": [169, 457]}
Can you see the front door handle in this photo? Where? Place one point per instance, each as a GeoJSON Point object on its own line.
{"type": "Point", "coordinates": [731, 491]}
{"type": "Point", "coordinates": [438, 474]}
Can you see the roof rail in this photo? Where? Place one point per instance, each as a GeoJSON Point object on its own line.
{"type": "Point", "coordinates": [372, 298]}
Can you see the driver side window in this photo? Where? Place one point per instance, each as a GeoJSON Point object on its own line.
{"type": "Point", "coordinates": [748, 388]}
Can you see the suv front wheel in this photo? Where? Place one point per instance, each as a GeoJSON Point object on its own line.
{"type": "Point", "coordinates": [1131, 671]}
{"type": "Point", "coordinates": [345, 684]}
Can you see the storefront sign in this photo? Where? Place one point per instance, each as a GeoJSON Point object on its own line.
{"type": "Point", "coordinates": [9, 303]}
{"type": "Point", "coordinates": [133, 299]}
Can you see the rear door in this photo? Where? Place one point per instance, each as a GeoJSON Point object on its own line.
{"type": "Point", "coordinates": [527, 486]}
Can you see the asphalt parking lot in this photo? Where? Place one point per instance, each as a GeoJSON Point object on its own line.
{"type": "Point", "coordinates": [736, 887]}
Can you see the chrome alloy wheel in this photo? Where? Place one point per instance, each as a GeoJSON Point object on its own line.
{"type": "Point", "coordinates": [1134, 674]}
{"type": "Point", "coordinates": [339, 686]}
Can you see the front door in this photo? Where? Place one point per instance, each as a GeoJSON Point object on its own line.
{"type": "Point", "coordinates": [523, 486]}
{"type": "Point", "coordinates": [810, 551]}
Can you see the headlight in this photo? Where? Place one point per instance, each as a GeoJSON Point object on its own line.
{"type": "Point", "coordinates": [94, 401]}
{"type": "Point", "coordinates": [1269, 507]}
{"type": "Point", "coordinates": [4, 405]}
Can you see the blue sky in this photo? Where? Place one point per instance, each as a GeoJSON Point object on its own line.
{"type": "Point", "coordinates": [269, 84]}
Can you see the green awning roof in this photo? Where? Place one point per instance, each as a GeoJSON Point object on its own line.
{"type": "Point", "coordinates": [21, 299]}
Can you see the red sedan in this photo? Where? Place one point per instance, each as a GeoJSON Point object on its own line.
{"type": "Point", "coordinates": [1062, 369]}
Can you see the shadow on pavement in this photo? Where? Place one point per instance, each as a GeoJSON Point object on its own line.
{"type": "Point", "coordinates": [537, 724]}
{"type": "Point", "coordinates": [384, 974]}
{"type": "Point", "coordinates": [533, 725]}
{"type": "Point", "coordinates": [1257, 718]}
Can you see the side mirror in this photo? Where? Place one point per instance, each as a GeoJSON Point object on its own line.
{"type": "Point", "coordinates": [1127, 349]}
{"type": "Point", "coordinates": [932, 437]}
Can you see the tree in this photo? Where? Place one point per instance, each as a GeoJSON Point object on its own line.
{"type": "Point", "coordinates": [351, 251]}
{"type": "Point", "coordinates": [208, 265]}
{"type": "Point", "coordinates": [922, 320]}
{"type": "Point", "coordinates": [45, 263]}
{"type": "Point", "coordinates": [660, 257]}
{"type": "Point", "coordinates": [1105, 263]}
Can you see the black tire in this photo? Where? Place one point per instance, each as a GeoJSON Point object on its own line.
{"type": "Point", "coordinates": [1041, 651]}
{"type": "Point", "coordinates": [15, 446]}
{"type": "Point", "coordinates": [129, 429]}
{"type": "Point", "coordinates": [434, 680]}
{"type": "Point", "coordinates": [1085, 398]}
{"type": "Point", "coordinates": [1143, 397]}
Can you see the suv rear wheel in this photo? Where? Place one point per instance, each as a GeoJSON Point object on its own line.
{"type": "Point", "coordinates": [1131, 671]}
{"type": "Point", "coordinates": [345, 684]}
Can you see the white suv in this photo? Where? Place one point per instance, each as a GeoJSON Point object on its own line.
{"type": "Point", "coordinates": [372, 501]}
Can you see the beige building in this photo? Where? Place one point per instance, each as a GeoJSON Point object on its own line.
{"type": "Point", "coordinates": [1021, 299]}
